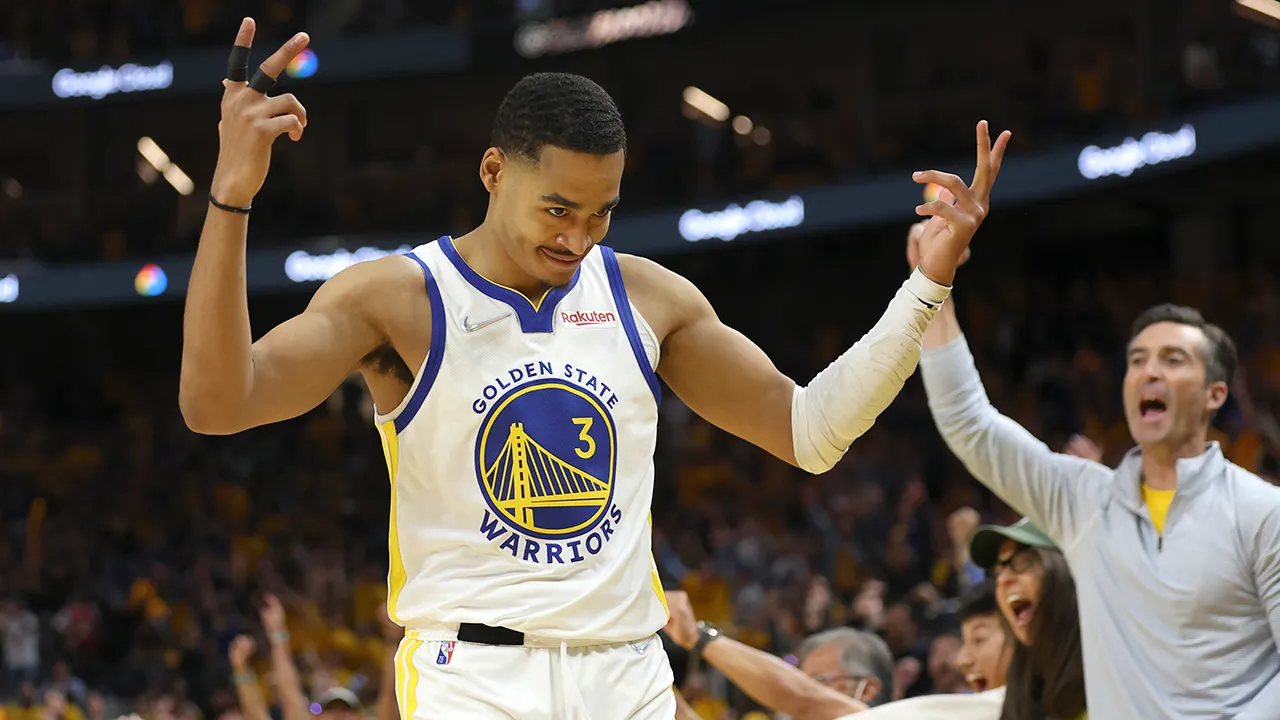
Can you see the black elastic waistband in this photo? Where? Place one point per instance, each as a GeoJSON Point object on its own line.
{"type": "Point", "coordinates": [489, 635]}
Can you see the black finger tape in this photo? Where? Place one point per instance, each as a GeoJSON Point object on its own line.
{"type": "Point", "coordinates": [238, 64]}
{"type": "Point", "coordinates": [262, 82]}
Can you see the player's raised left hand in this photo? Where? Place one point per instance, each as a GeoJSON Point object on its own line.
{"type": "Point", "coordinates": [945, 239]}
{"type": "Point", "coordinates": [252, 120]}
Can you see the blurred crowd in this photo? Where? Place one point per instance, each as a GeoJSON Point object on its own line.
{"type": "Point", "coordinates": [118, 31]}
{"type": "Point", "coordinates": [135, 553]}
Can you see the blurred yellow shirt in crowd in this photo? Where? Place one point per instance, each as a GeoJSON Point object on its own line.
{"type": "Point", "coordinates": [232, 501]}
{"type": "Point", "coordinates": [370, 600]}
{"type": "Point", "coordinates": [709, 708]}
{"type": "Point", "coordinates": [36, 712]}
{"type": "Point", "coordinates": [696, 482]}
{"type": "Point", "coordinates": [755, 637]}
{"type": "Point", "coordinates": [710, 598]}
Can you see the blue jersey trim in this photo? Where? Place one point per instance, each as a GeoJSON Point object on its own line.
{"type": "Point", "coordinates": [628, 320]}
{"type": "Point", "coordinates": [534, 317]}
{"type": "Point", "coordinates": [435, 355]}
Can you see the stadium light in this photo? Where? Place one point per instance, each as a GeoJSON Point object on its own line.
{"type": "Point", "coordinates": [704, 103]}
{"type": "Point", "coordinates": [1266, 12]}
{"type": "Point", "coordinates": [169, 170]}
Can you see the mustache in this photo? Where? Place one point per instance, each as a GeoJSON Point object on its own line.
{"type": "Point", "coordinates": [560, 253]}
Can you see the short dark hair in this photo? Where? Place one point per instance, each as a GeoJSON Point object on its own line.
{"type": "Point", "coordinates": [861, 653]}
{"type": "Point", "coordinates": [558, 109]}
{"type": "Point", "coordinates": [1219, 357]}
{"type": "Point", "coordinates": [978, 601]}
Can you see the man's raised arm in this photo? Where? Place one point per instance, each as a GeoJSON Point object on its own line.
{"type": "Point", "coordinates": [1046, 486]}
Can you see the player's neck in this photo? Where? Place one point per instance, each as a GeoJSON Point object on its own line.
{"type": "Point", "coordinates": [1160, 460]}
{"type": "Point", "coordinates": [482, 251]}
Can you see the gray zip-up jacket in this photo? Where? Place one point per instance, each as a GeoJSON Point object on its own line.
{"type": "Point", "coordinates": [1181, 626]}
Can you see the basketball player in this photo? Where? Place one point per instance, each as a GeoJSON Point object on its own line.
{"type": "Point", "coordinates": [514, 371]}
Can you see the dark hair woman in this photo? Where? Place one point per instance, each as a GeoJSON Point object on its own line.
{"type": "Point", "coordinates": [1037, 597]}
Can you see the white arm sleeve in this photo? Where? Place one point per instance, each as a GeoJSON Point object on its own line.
{"type": "Point", "coordinates": [844, 400]}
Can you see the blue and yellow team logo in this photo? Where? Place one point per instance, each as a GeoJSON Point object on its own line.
{"type": "Point", "coordinates": [545, 459]}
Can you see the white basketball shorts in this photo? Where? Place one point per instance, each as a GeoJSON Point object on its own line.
{"type": "Point", "coordinates": [451, 680]}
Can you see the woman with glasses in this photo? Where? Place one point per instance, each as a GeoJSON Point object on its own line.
{"type": "Point", "coordinates": [1037, 597]}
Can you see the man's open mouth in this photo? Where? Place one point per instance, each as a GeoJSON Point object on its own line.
{"type": "Point", "coordinates": [1152, 408]}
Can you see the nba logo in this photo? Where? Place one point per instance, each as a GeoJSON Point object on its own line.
{"type": "Point", "coordinates": [446, 652]}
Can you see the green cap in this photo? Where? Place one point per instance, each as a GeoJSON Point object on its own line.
{"type": "Point", "coordinates": [985, 546]}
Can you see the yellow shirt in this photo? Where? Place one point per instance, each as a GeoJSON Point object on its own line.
{"type": "Point", "coordinates": [1158, 503]}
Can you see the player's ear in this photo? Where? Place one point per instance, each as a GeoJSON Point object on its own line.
{"type": "Point", "coordinates": [491, 168]}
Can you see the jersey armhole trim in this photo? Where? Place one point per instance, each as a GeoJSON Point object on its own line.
{"type": "Point", "coordinates": [623, 304]}
{"type": "Point", "coordinates": [404, 414]}
{"type": "Point", "coordinates": [647, 337]}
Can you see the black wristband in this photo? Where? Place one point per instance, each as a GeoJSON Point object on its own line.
{"type": "Point", "coordinates": [706, 633]}
{"type": "Point", "coordinates": [229, 208]}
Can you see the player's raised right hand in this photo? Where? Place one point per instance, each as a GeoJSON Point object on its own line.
{"type": "Point", "coordinates": [252, 120]}
{"type": "Point", "coordinates": [956, 214]}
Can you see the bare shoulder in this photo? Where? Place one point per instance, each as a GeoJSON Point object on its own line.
{"type": "Point", "coordinates": [367, 286]}
{"type": "Point", "coordinates": [389, 297]}
{"type": "Point", "coordinates": [666, 299]}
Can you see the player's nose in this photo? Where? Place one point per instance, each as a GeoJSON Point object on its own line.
{"type": "Point", "coordinates": [575, 242]}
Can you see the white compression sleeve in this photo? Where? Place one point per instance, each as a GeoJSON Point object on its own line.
{"type": "Point", "coordinates": [844, 400]}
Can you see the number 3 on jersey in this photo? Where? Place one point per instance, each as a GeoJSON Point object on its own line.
{"type": "Point", "coordinates": [585, 436]}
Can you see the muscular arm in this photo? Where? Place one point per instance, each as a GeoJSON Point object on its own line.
{"type": "Point", "coordinates": [1050, 488]}
{"type": "Point", "coordinates": [725, 378]}
{"type": "Point", "coordinates": [230, 383]}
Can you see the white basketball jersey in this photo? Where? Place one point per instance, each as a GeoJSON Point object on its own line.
{"type": "Point", "coordinates": [521, 461]}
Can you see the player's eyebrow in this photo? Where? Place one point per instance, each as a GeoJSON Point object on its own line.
{"type": "Point", "coordinates": [558, 199]}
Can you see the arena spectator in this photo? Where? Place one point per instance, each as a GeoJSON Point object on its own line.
{"type": "Point", "coordinates": [1037, 597]}
{"type": "Point", "coordinates": [988, 646]}
{"type": "Point", "coordinates": [1142, 595]}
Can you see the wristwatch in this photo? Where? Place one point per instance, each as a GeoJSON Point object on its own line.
{"type": "Point", "coordinates": [706, 633]}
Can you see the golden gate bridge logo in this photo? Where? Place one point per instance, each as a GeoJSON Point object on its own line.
{"type": "Point", "coordinates": [545, 460]}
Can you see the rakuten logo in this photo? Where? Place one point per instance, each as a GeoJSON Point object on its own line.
{"type": "Point", "coordinates": [97, 84]}
{"type": "Point", "coordinates": [584, 318]}
{"type": "Point", "coordinates": [302, 266]}
{"type": "Point", "coordinates": [727, 224]}
{"type": "Point", "coordinates": [1123, 159]}
{"type": "Point", "coordinates": [8, 288]}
